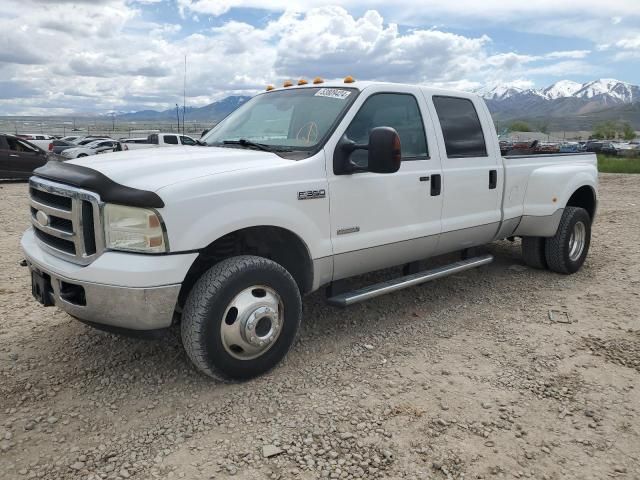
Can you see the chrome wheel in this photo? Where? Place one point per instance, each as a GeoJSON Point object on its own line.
{"type": "Point", "coordinates": [252, 322]}
{"type": "Point", "coordinates": [577, 241]}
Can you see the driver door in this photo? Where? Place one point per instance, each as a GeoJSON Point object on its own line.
{"type": "Point", "coordinates": [381, 220]}
{"type": "Point", "coordinates": [23, 158]}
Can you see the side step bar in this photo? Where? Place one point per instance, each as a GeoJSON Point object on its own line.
{"type": "Point", "coordinates": [372, 291]}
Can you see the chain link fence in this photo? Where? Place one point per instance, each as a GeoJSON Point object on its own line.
{"type": "Point", "coordinates": [112, 129]}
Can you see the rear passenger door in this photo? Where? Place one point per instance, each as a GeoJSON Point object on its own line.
{"type": "Point", "coordinates": [472, 173]}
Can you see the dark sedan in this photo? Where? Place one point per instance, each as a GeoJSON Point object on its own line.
{"type": "Point", "coordinates": [18, 158]}
{"type": "Point", "coordinates": [58, 146]}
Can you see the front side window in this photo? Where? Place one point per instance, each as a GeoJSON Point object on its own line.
{"type": "Point", "coordinates": [395, 110]}
{"type": "Point", "coordinates": [18, 146]}
{"type": "Point", "coordinates": [187, 140]}
{"type": "Point", "coordinates": [170, 139]}
{"type": "Point", "coordinates": [299, 119]}
{"type": "Point", "coordinates": [461, 127]}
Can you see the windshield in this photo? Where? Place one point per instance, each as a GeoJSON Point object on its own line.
{"type": "Point", "coordinates": [285, 120]}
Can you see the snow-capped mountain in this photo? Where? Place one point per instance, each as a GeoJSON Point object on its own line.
{"type": "Point", "coordinates": [561, 89]}
{"type": "Point", "coordinates": [606, 91]}
{"type": "Point", "coordinates": [567, 104]}
{"type": "Point", "coordinates": [609, 87]}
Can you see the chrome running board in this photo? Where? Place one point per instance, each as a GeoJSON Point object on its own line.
{"type": "Point", "coordinates": [382, 288]}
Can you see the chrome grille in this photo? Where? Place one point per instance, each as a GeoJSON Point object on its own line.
{"type": "Point", "coordinates": [66, 220]}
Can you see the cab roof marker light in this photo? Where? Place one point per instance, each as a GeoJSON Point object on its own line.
{"type": "Point", "coordinates": [349, 79]}
{"type": "Point", "coordinates": [317, 80]}
{"type": "Point", "coordinates": [269, 88]}
{"type": "Point", "coordinates": [287, 83]}
{"type": "Point", "coordinates": [302, 81]}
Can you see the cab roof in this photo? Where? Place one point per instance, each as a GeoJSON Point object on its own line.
{"type": "Point", "coordinates": [363, 85]}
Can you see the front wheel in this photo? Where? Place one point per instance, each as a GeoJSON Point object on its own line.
{"type": "Point", "coordinates": [567, 250]}
{"type": "Point", "coordinates": [241, 317]}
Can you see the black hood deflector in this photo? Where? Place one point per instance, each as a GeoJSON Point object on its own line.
{"type": "Point", "coordinates": [94, 181]}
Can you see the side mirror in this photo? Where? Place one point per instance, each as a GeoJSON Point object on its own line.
{"type": "Point", "coordinates": [384, 150]}
{"type": "Point", "coordinates": [384, 153]}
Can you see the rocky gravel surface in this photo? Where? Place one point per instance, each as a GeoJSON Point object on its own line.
{"type": "Point", "coordinates": [500, 372]}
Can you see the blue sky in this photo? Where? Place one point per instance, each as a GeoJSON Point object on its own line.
{"type": "Point", "coordinates": [64, 56]}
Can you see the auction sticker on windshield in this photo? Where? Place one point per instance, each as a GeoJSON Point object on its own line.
{"type": "Point", "coordinates": [333, 93]}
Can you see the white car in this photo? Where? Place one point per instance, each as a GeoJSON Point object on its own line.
{"type": "Point", "coordinates": [72, 138]}
{"type": "Point", "coordinates": [92, 148]}
{"type": "Point", "coordinates": [298, 189]}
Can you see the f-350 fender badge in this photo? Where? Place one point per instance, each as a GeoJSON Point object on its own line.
{"type": "Point", "coordinates": [312, 194]}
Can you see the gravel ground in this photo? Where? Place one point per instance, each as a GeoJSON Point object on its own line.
{"type": "Point", "coordinates": [466, 377]}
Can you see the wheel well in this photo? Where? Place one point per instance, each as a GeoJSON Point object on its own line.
{"type": "Point", "coordinates": [278, 244]}
{"type": "Point", "coordinates": [585, 198]}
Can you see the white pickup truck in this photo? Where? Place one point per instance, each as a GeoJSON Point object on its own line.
{"type": "Point", "coordinates": [299, 188]}
{"type": "Point", "coordinates": [157, 140]}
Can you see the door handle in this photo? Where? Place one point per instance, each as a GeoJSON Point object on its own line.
{"type": "Point", "coordinates": [436, 185]}
{"type": "Point", "coordinates": [424, 179]}
{"type": "Point", "coordinates": [493, 179]}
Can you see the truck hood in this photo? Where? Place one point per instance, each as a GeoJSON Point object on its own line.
{"type": "Point", "coordinates": [154, 168]}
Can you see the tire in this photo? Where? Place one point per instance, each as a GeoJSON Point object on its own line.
{"type": "Point", "coordinates": [565, 252]}
{"type": "Point", "coordinates": [533, 252]}
{"type": "Point", "coordinates": [224, 344]}
{"type": "Point", "coordinates": [82, 155]}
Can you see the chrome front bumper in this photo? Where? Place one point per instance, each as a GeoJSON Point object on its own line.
{"type": "Point", "coordinates": [123, 307]}
{"type": "Point", "coordinates": [124, 290]}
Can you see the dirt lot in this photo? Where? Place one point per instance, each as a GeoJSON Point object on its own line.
{"type": "Point", "coordinates": [466, 377]}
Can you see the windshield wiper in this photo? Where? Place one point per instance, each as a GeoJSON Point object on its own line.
{"type": "Point", "coordinates": [243, 142]}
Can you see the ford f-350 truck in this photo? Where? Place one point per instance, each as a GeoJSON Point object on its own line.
{"type": "Point", "coordinates": [299, 188]}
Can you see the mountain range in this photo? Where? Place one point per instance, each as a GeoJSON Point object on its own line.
{"type": "Point", "coordinates": [212, 113]}
{"type": "Point", "coordinates": [566, 105]}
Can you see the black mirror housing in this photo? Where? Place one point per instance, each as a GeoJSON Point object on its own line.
{"type": "Point", "coordinates": [384, 153]}
{"type": "Point", "coordinates": [384, 150]}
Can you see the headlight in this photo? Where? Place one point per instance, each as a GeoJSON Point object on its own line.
{"type": "Point", "coordinates": [133, 229]}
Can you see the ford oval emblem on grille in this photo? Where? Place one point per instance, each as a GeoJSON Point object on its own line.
{"type": "Point", "coordinates": [42, 218]}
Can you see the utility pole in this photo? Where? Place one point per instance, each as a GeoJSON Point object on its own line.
{"type": "Point", "coordinates": [178, 116]}
{"type": "Point", "coordinates": [184, 94]}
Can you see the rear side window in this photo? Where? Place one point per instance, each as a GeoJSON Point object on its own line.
{"type": "Point", "coordinates": [461, 127]}
{"type": "Point", "coordinates": [171, 139]}
{"type": "Point", "coordinates": [396, 110]}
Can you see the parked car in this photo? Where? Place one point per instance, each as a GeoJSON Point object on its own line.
{"type": "Point", "coordinates": [570, 147]}
{"type": "Point", "coordinates": [71, 138]}
{"type": "Point", "coordinates": [92, 148]}
{"type": "Point", "coordinates": [59, 146]}
{"type": "Point", "coordinates": [548, 147]}
{"type": "Point", "coordinates": [18, 157]}
{"type": "Point", "coordinates": [86, 140]}
{"type": "Point", "coordinates": [342, 179]}
{"type": "Point", "coordinates": [40, 140]}
{"type": "Point", "coordinates": [594, 146]}
{"type": "Point", "coordinates": [159, 140]}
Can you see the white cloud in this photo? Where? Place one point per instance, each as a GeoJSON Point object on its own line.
{"type": "Point", "coordinates": [102, 56]}
{"type": "Point", "coordinates": [569, 54]}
